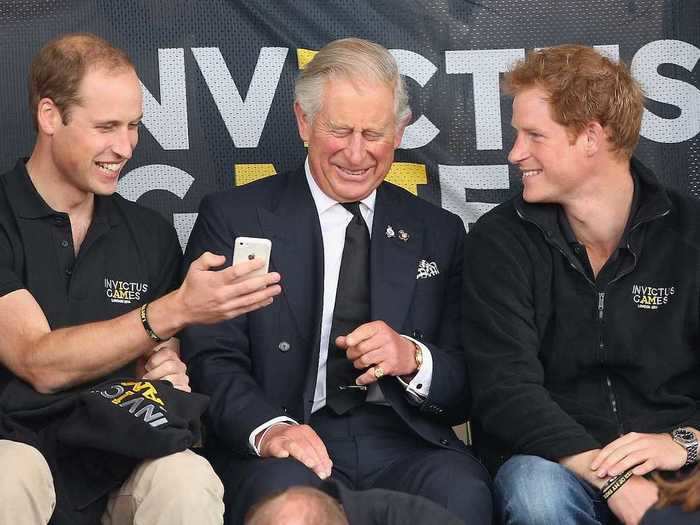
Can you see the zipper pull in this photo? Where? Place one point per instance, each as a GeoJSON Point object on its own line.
{"type": "Point", "coordinates": [601, 304]}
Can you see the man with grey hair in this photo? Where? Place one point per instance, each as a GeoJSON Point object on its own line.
{"type": "Point", "coordinates": [353, 373]}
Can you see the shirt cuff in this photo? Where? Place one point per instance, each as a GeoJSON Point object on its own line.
{"type": "Point", "coordinates": [419, 387]}
{"type": "Point", "coordinates": [264, 428]}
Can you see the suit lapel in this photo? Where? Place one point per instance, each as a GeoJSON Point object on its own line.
{"type": "Point", "coordinates": [297, 253]}
{"type": "Point", "coordinates": [393, 261]}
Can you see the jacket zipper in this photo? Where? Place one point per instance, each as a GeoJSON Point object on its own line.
{"type": "Point", "coordinates": [608, 381]}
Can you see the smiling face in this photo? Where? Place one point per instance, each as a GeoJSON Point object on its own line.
{"type": "Point", "coordinates": [89, 151]}
{"type": "Point", "coordinates": [553, 167]}
{"type": "Point", "coordinates": [352, 138]}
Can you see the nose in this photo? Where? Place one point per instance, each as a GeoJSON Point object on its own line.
{"type": "Point", "coordinates": [124, 142]}
{"type": "Point", "coordinates": [356, 148]}
{"type": "Point", "coordinates": [518, 152]}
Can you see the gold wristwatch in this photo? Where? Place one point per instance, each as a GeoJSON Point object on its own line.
{"type": "Point", "coordinates": [418, 356]}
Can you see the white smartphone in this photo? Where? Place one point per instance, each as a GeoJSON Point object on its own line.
{"type": "Point", "coordinates": [249, 248]}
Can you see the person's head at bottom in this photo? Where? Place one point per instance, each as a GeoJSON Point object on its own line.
{"type": "Point", "coordinates": [297, 506]}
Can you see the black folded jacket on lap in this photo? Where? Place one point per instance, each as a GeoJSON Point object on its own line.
{"type": "Point", "coordinates": [93, 437]}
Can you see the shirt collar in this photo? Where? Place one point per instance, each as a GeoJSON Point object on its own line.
{"type": "Point", "coordinates": [31, 205]}
{"type": "Point", "coordinates": [324, 202]}
{"type": "Point", "coordinates": [568, 233]}
{"type": "Point", "coordinates": [27, 201]}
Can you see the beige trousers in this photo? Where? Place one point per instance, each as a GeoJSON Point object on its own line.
{"type": "Point", "coordinates": [178, 489]}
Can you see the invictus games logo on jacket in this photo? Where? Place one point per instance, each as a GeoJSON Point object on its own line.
{"type": "Point", "coordinates": [124, 291]}
{"type": "Point", "coordinates": [651, 297]}
{"type": "Point", "coordinates": [140, 398]}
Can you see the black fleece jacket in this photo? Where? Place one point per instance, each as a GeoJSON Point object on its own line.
{"type": "Point", "coordinates": [561, 363]}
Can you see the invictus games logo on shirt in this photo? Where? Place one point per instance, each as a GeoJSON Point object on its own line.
{"type": "Point", "coordinates": [651, 297]}
{"type": "Point", "coordinates": [124, 291]}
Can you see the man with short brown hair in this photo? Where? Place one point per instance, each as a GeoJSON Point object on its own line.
{"type": "Point", "coordinates": [88, 285]}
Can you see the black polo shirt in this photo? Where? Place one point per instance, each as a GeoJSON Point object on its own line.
{"type": "Point", "coordinates": [130, 255]}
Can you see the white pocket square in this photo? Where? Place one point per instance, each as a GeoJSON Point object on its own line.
{"type": "Point", "coordinates": [427, 269]}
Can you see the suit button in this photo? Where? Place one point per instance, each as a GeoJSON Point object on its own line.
{"type": "Point", "coordinates": [417, 334]}
{"type": "Point", "coordinates": [284, 346]}
{"type": "Point", "coordinates": [284, 409]}
{"type": "Point", "coordinates": [444, 442]}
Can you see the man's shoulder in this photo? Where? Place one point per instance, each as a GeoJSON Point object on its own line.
{"type": "Point", "coordinates": [502, 217]}
{"type": "Point", "coordinates": [152, 233]}
{"type": "Point", "coordinates": [142, 217]}
{"type": "Point", "coordinates": [431, 213]}
{"type": "Point", "coordinates": [684, 216]}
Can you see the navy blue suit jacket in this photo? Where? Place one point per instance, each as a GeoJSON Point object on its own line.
{"type": "Point", "coordinates": [264, 364]}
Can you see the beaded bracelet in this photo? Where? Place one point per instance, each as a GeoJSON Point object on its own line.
{"type": "Point", "coordinates": [614, 484]}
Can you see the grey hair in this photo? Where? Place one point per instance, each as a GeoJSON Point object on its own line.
{"type": "Point", "coordinates": [350, 58]}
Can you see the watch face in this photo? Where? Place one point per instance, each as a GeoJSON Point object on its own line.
{"type": "Point", "coordinates": [683, 436]}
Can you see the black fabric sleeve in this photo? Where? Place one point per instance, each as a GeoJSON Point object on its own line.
{"type": "Point", "coordinates": [219, 356]}
{"type": "Point", "coordinates": [502, 345]}
{"type": "Point", "coordinates": [9, 280]}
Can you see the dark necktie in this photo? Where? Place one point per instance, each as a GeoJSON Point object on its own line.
{"type": "Point", "coordinates": [351, 310]}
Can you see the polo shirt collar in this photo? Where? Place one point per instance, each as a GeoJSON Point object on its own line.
{"type": "Point", "coordinates": [568, 233]}
{"type": "Point", "coordinates": [27, 201]}
{"type": "Point", "coordinates": [29, 204]}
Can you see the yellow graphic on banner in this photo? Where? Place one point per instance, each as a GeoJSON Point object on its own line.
{"type": "Point", "coordinates": [245, 173]}
{"type": "Point", "coordinates": [304, 56]}
{"type": "Point", "coordinates": [408, 175]}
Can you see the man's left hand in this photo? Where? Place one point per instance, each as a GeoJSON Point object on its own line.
{"type": "Point", "coordinates": [375, 344]}
{"type": "Point", "coordinates": [164, 363]}
{"type": "Point", "coordinates": [644, 452]}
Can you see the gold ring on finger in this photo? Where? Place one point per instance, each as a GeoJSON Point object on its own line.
{"type": "Point", "coordinates": [378, 372]}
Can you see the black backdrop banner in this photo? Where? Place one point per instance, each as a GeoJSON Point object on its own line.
{"type": "Point", "coordinates": [218, 84]}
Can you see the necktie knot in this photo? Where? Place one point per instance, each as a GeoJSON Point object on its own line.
{"type": "Point", "coordinates": [353, 207]}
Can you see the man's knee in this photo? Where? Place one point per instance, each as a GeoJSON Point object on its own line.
{"type": "Point", "coordinates": [272, 475]}
{"type": "Point", "coordinates": [467, 488]}
{"type": "Point", "coordinates": [455, 480]}
{"type": "Point", "coordinates": [26, 484]}
{"type": "Point", "coordinates": [182, 476]}
{"type": "Point", "coordinates": [180, 480]}
{"type": "Point", "coordinates": [531, 489]}
{"type": "Point", "coordinates": [176, 489]}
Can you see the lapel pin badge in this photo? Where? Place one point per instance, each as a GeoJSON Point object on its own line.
{"type": "Point", "coordinates": [389, 232]}
{"type": "Point", "coordinates": [403, 235]}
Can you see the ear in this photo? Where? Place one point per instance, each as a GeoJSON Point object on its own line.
{"type": "Point", "coordinates": [48, 116]}
{"type": "Point", "coordinates": [594, 137]}
{"type": "Point", "coordinates": [400, 128]}
{"type": "Point", "coordinates": [303, 123]}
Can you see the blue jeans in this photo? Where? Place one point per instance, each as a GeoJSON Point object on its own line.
{"type": "Point", "coordinates": [531, 490]}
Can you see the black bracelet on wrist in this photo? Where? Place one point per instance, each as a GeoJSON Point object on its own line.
{"type": "Point", "coordinates": [615, 483]}
{"type": "Point", "coordinates": [146, 325]}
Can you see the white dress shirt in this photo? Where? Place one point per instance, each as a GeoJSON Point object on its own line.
{"type": "Point", "coordinates": [334, 219]}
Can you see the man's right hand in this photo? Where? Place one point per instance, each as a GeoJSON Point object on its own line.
{"type": "Point", "coordinates": [208, 295]}
{"type": "Point", "coordinates": [633, 499]}
{"type": "Point", "coordinates": [300, 442]}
